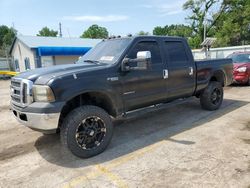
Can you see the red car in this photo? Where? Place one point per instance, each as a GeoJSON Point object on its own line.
{"type": "Point", "coordinates": [241, 62]}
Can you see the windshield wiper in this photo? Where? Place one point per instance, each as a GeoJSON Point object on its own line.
{"type": "Point", "coordinates": [91, 61]}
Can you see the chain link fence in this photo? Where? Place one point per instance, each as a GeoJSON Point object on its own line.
{"type": "Point", "coordinates": [215, 53]}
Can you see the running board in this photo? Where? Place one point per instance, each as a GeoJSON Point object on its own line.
{"type": "Point", "coordinates": [152, 108]}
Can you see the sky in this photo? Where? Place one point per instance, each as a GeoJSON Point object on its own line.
{"type": "Point", "coordinates": [119, 17]}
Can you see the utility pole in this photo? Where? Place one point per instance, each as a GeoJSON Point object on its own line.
{"type": "Point", "coordinates": [60, 29]}
{"type": "Point", "coordinates": [205, 26]}
{"type": "Point", "coordinates": [205, 30]}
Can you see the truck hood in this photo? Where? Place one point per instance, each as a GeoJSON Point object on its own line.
{"type": "Point", "coordinates": [44, 75]}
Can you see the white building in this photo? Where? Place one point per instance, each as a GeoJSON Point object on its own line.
{"type": "Point", "coordinates": [29, 52]}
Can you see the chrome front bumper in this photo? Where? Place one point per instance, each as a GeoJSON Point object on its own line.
{"type": "Point", "coordinates": [47, 123]}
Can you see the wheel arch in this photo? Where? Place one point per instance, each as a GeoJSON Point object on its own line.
{"type": "Point", "coordinates": [96, 98]}
{"type": "Point", "coordinates": [218, 76]}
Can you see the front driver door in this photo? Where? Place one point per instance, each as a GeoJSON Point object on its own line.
{"type": "Point", "coordinates": [144, 87]}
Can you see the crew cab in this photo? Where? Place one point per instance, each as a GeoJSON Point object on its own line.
{"type": "Point", "coordinates": [117, 76]}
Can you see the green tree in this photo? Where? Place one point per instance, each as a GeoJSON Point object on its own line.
{"type": "Point", "coordinates": [199, 17]}
{"type": "Point", "coordinates": [143, 33]}
{"type": "Point", "coordinates": [158, 30]}
{"type": "Point", "coordinates": [234, 27]}
{"type": "Point", "coordinates": [174, 30]}
{"type": "Point", "coordinates": [46, 32]}
{"type": "Point", "coordinates": [95, 32]}
{"type": "Point", "coordinates": [178, 30]}
{"type": "Point", "coordinates": [7, 35]}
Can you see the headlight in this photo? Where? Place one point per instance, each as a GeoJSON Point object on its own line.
{"type": "Point", "coordinates": [242, 69]}
{"type": "Point", "coordinates": [43, 93]}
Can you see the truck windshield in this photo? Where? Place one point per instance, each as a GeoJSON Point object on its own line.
{"type": "Point", "coordinates": [107, 51]}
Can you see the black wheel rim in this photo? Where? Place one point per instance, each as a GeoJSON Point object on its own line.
{"type": "Point", "coordinates": [90, 132]}
{"type": "Point", "coordinates": [216, 96]}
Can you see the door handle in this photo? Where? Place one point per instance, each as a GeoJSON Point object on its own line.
{"type": "Point", "coordinates": [191, 71]}
{"type": "Point", "coordinates": [165, 73]}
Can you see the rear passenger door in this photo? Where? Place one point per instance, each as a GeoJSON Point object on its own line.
{"type": "Point", "coordinates": [181, 75]}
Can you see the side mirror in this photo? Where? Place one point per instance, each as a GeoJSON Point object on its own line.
{"type": "Point", "coordinates": [143, 55]}
{"type": "Point", "coordinates": [142, 61]}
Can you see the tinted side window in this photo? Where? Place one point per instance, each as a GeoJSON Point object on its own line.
{"type": "Point", "coordinates": [151, 46]}
{"type": "Point", "coordinates": [176, 51]}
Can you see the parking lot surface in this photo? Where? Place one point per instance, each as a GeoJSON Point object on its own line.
{"type": "Point", "coordinates": [181, 146]}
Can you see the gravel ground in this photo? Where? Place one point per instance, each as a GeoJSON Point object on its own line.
{"type": "Point", "coordinates": [181, 146]}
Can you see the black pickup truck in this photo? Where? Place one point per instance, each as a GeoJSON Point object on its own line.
{"type": "Point", "coordinates": [117, 76]}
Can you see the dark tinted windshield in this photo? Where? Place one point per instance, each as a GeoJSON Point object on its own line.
{"type": "Point", "coordinates": [240, 58]}
{"type": "Point", "coordinates": [107, 51]}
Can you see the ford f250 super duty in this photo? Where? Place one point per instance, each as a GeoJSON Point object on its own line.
{"type": "Point", "coordinates": [117, 76]}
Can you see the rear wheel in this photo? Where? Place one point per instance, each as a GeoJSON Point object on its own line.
{"type": "Point", "coordinates": [87, 131]}
{"type": "Point", "coordinates": [212, 96]}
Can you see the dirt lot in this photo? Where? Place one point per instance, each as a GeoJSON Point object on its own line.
{"type": "Point", "coordinates": [181, 146]}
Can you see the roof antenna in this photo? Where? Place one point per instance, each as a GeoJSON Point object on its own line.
{"type": "Point", "coordinates": [60, 29]}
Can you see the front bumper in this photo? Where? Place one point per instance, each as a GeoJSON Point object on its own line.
{"type": "Point", "coordinates": [42, 122]}
{"type": "Point", "coordinates": [241, 79]}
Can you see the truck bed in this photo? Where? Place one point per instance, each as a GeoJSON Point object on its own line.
{"type": "Point", "coordinates": [207, 67]}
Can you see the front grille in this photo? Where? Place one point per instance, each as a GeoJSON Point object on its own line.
{"type": "Point", "coordinates": [16, 83]}
{"type": "Point", "coordinates": [16, 99]}
{"type": "Point", "coordinates": [15, 92]}
{"type": "Point", "coordinates": [24, 90]}
{"type": "Point", "coordinates": [21, 92]}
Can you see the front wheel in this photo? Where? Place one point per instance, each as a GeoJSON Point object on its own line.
{"type": "Point", "coordinates": [87, 131]}
{"type": "Point", "coordinates": [212, 96]}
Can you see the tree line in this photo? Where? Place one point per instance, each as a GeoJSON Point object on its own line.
{"type": "Point", "coordinates": [226, 20]}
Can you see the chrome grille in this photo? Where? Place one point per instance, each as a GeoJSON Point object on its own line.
{"type": "Point", "coordinates": [15, 83]}
{"type": "Point", "coordinates": [21, 92]}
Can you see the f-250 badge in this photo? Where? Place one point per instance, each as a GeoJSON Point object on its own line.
{"type": "Point", "coordinates": [113, 79]}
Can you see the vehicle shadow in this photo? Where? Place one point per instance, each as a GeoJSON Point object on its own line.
{"type": "Point", "coordinates": [137, 133]}
{"type": "Point", "coordinates": [238, 85]}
